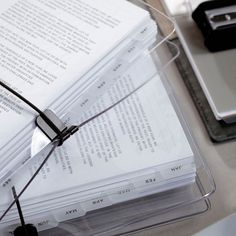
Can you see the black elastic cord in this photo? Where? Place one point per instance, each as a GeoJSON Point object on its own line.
{"type": "Point", "coordinates": [19, 210]}
{"type": "Point", "coordinates": [45, 118]}
{"type": "Point", "coordinates": [21, 98]}
{"type": "Point", "coordinates": [29, 182]}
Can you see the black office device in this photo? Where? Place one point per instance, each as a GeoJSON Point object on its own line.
{"type": "Point", "coordinates": [217, 21]}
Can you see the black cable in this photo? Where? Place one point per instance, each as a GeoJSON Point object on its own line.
{"type": "Point", "coordinates": [19, 211]}
{"type": "Point", "coordinates": [24, 229]}
{"type": "Point", "coordinates": [60, 137]}
{"type": "Point", "coordinates": [113, 105]}
{"type": "Point", "coordinates": [45, 118]}
{"type": "Point", "coordinates": [18, 206]}
{"type": "Point", "coordinates": [29, 182]}
{"type": "Point", "coordinates": [21, 98]}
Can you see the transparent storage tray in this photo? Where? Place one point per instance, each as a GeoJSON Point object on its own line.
{"type": "Point", "coordinates": [206, 65]}
{"type": "Point", "coordinates": [167, 206]}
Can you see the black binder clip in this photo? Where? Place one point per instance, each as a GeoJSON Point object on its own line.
{"type": "Point", "coordinates": [53, 127]}
{"type": "Point", "coordinates": [24, 229]}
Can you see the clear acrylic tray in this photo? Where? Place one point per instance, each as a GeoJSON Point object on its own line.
{"type": "Point", "coordinates": [169, 205]}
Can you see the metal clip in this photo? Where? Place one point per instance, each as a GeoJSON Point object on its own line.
{"type": "Point", "coordinates": [55, 129]}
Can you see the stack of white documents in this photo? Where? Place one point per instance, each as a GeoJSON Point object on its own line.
{"type": "Point", "coordinates": [52, 52]}
{"type": "Point", "coordinates": [61, 49]}
{"type": "Point", "coordinates": [136, 149]}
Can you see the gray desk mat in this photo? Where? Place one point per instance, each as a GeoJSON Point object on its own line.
{"type": "Point", "coordinates": [218, 131]}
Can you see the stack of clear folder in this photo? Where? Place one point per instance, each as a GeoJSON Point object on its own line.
{"type": "Point", "coordinates": [121, 195]}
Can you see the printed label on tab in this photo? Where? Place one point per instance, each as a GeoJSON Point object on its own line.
{"type": "Point", "coordinates": [96, 203]}
{"type": "Point", "coordinates": [147, 180]}
{"type": "Point", "coordinates": [69, 212]}
{"type": "Point", "coordinates": [132, 51]}
{"type": "Point", "coordinates": [40, 222]}
{"type": "Point", "coordinates": [123, 193]}
{"type": "Point", "coordinates": [142, 33]}
{"type": "Point", "coordinates": [177, 170]}
{"type": "Point", "coordinates": [44, 222]}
